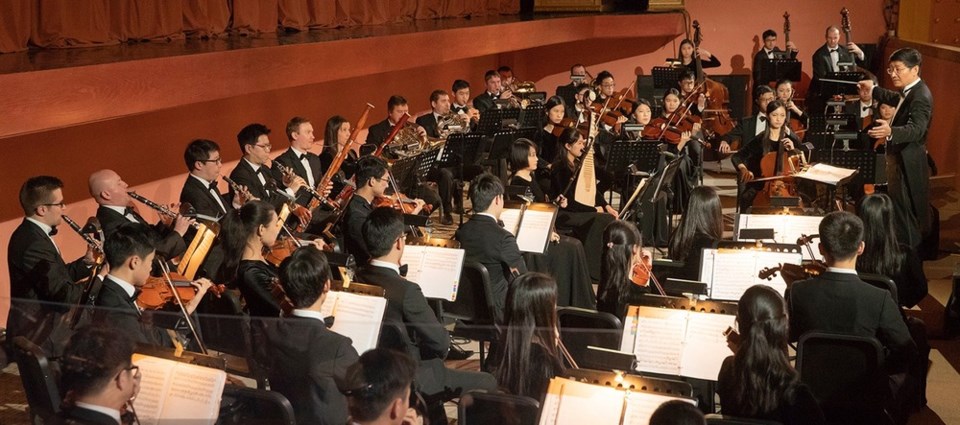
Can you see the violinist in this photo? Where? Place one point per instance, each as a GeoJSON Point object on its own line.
{"type": "Point", "coordinates": [747, 159]}
{"type": "Point", "coordinates": [687, 83]}
{"type": "Point", "coordinates": [766, 53]}
{"type": "Point", "coordinates": [548, 137]}
{"type": "Point", "coordinates": [687, 52]}
{"type": "Point", "coordinates": [252, 172]}
{"type": "Point", "coordinates": [700, 227]}
{"type": "Point", "coordinates": [642, 114]}
{"type": "Point", "coordinates": [372, 182]}
{"type": "Point", "coordinates": [686, 179]}
{"type": "Point", "coordinates": [130, 252]}
{"type": "Point", "coordinates": [622, 252]}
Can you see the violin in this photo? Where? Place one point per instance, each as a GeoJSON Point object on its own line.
{"type": "Point", "coordinates": [642, 273]}
{"type": "Point", "coordinates": [563, 125]}
{"type": "Point", "coordinates": [281, 249]}
{"type": "Point", "coordinates": [276, 290]}
{"type": "Point", "coordinates": [156, 293]}
{"type": "Point", "coordinates": [401, 203]}
{"type": "Point", "coordinates": [793, 272]}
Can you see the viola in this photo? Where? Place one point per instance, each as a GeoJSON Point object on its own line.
{"type": "Point", "coordinates": [563, 125]}
{"type": "Point", "coordinates": [276, 290]}
{"type": "Point", "coordinates": [156, 293]}
{"type": "Point", "coordinates": [640, 275]}
{"type": "Point", "coordinates": [280, 250]}
{"type": "Point", "coordinates": [403, 204]}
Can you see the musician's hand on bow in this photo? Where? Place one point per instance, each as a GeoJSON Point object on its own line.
{"type": "Point", "coordinates": [610, 210]}
{"type": "Point", "coordinates": [881, 131]}
{"type": "Point", "coordinates": [745, 174]}
{"type": "Point", "coordinates": [724, 147]}
{"type": "Point", "coordinates": [320, 244]}
{"type": "Point", "coordinates": [562, 201]}
{"type": "Point", "coordinates": [303, 214]}
{"type": "Point", "coordinates": [181, 224]}
{"type": "Point", "coordinates": [419, 203]}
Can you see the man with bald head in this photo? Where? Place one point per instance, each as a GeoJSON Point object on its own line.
{"type": "Point", "coordinates": [116, 209]}
{"type": "Point", "coordinates": [826, 60]}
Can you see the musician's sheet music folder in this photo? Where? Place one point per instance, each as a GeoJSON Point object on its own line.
{"type": "Point", "coordinates": [356, 316]}
{"type": "Point", "coordinates": [435, 269]}
{"type": "Point", "coordinates": [827, 174]}
{"type": "Point", "coordinates": [532, 224]}
{"type": "Point", "coordinates": [729, 272]}
{"type": "Point", "coordinates": [787, 229]}
{"type": "Point", "coordinates": [570, 402]}
{"type": "Point", "coordinates": [676, 341]}
{"type": "Point", "coordinates": [173, 392]}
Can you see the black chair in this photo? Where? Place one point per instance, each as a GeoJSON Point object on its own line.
{"type": "Point", "coordinates": [241, 405]}
{"type": "Point", "coordinates": [882, 282]}
{"type": "Point", "coordinates": [473, 309]}
{"type": "Point", "coordinates": [715, 419]}
{"type": "Point", "coordinates": [478, 407]}
{"type": "Point", "coordinates": [580, 328]}
{"type": "Point", "coordinates": [39, 382]}
{"type": "Point", "coordinates": [845, 374]}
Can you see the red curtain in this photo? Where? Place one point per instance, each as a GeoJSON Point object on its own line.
{"type": "Point", "coordinates": [255, 17]}
{"type": "Point", "coordinates": [71, 23]}
{"type": "Point", "coordinates": [205, 18]}
{"type": "Point", "coordinates": [15, 19]}
{"type": "Point", "coordinates": [146, 20]}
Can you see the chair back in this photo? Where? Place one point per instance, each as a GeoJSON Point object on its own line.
{"type": "Point", "coordinates": [478, 407]}
{"type": "Point", "coordinates": [474, 301]}
{"type": "Point", "coordinates": [845, 374]}
{"type": "Point", "coordinates": [715, 419]}
{"type": "Point", "coordinates": [882, 282]}
{"type": "Point", "coordinates": [394, 336]}
{"type": "Point", "coordinates": [39, 382]}
{"type": "Point", "coordinates": [241, 405]}
{"type": "Point", "coordinates": [580, 328]}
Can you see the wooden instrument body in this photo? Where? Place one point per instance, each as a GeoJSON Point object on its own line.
{"type": "Point", "coordinates": [156, 292]}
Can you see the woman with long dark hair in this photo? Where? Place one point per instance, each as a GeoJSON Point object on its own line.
{"type": "Point", "coordinates": [758, 381]}
{"type": "Point", "coordinates": [336, 134]}
{"type": "Point", "coordinates": [747, 159]}
{"type": "Point", "coordinates": [548, 144]}
{"type": "Point", "coordinates": [530, 356]}
{"type": "Point", "coordinates": [245, 234]}
{"type": "Point", "coordinates": [622, 249]}
{"type": "Point", "coordinates": [687, 52]}
{"type": "Point", "coordinates": [883, 254]}
{"type": "Point", "coordinates": [701, 227]}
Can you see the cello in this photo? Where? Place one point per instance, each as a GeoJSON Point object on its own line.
{"type": "Point", "coordinates": [778, 167]}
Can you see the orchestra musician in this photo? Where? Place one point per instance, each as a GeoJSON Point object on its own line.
{"type": "Point", "coordinates": [701, 226]}
{"type": "Point", "coordinates": [766, 53]}
{"type": "Point", "coordinates": [130, 252]}
{"type": "Point", "coordinates": [687, 177]}
{"type": "Point", "coordinates": [548, 137]}
{"type": "Point", "coordinates": [116, 208]}
{"type": "Point", "coordinates": [494, 90]}
{"type": "Point", "coordinates": [41, 284]}
{"type": "Point", "coordinates": [747, 159]}
{"type": "Point", "coordinates": [826, 60]}
{"type": "Point", "coordinates": [642, 115]}
{"type": "Point", "coordinates": [752, 125]}
{"type": "Point", "coordinates": [204, 162]}
{"type": "Point", "coordinates": [707, 59]}
{"type": "Point", "coordinates": [336, 134]}
{"type": "Point", "coordinates": [444, 176]}
{"type": "Point", "coordinates": [506, 76]}
{"type": "Point", "coordinates": [785, 93]}
{"type": "Point", "coordinates": [622, 250]}
{"type": "Point", "coordinates": [578, 77]}
{"type": "Point", "coordinates": [305, 164]}
{"type": "Point", "coordinates": [253, 172]}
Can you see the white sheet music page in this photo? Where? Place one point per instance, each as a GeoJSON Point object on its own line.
{"type": "Point", "coordinates": [729, 273]}
{"type": "Point", "coordinates": [659, 342]}
{"type": "Point", "coordinates": [187, 392]}
{"type": "Point", "coordinates": [786, 228]}
{"type": "Point", "coordinates": [535, 230]}
{"type": "Point", "coordinates": [569, 402]}
{"type": "Point", "coordinates": [511, 219]}
{"type": "Point", "coordinates": [641, 405]}
{"type": "Point", "coordinates": [359, 317]}
{"type": "Point", "coordinates": [825, 173]}
{"type": "Point", "coordinates": [705, 346]}
{"type": "Point", "coordinates": [436, 270]}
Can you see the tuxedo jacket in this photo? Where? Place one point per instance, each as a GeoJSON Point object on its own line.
{"type": "Point", "coordinates": [82, 416]}
{"type": "Point", "coordinates": [483, 102]}
{"type": "Point", "coordinates": [378, 132]}
{"type": "Point", "coordinates": [842, 303]}
{"type": "Point", "coordinates": [758, 60]}
{"type": "Point", "coordinates": [908, 147]}
{"type": "Point", "coordinates": [484, 241]}
{"type": "Point", "coordinates": [270, 191]}
{"type": "Point", "coordinates": [170, 245]}
{"type": "Point", "coordinates": [822, 65]}
{"type": "Point", "coordinates": [202, 200]}
{"type": "Point", "coordinates": [118, 310]}
{"type": "Point", "coordinates": [39, 278]}
{"type": "Point", "coordinates": [306, 359]}
{"type": "Point", "coordinates": [356, 213]}
{"type": "Point", "coordinates": [289, 159]}
{"type": "Point", "coordinates": [744, 131]}
{"type": "Point", "coordinates": [429, 123]}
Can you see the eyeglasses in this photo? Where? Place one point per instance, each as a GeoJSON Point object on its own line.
{"type": "Point", "coordinates": [265, 147]}
{"type": "Point", "coordinates": [607, 85]}
{"type": "Point", "coordinates": [217, 160]}
{"type": "Point", "coordinates": [134, 370]}
{"type": "Point", "coordinates": [56, 204]}
{"type": "Point", "coordinates": [896, 70]}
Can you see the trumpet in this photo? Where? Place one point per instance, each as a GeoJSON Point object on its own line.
{"type": "Point", "coordinates": [289, 174]}
{"type": "Point", "coordinates": [160, 208]}
{"type": "Point", "coordinates": [94, 223]}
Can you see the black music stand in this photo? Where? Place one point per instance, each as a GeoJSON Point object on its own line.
{"type": "Point", "coordinates": [532, 116]}
{"type": "Point", "coordinates": [864, 161]}
{"type": "Point", "coordinates": [777, 69]}
{"type": "Point", "coordinates": [568, 93]}
{"type": "Point", "coordinates": [665, 77]}
{"type": "Point", "coordinates": [832, 88]}
{"type": "Point", "coordinates": [644, 154]}
{"type": "Point", "coordinates": [402, 170]}
{"type": "Point", "coordinates": [653, 194]}
{"type": "Point", "coordinates": [461, 149]}
{"type": "Point", "coordinates": [821, 123]}
{"type": "Point", "coordinates": [491, 120]}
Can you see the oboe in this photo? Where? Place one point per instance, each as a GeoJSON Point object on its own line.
{"type": "Point", "coordinates": [159, 208]}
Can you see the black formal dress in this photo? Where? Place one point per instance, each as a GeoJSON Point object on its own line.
{"type": "Point", "coordinates": [762, 57]}
{"type": "Point", "coordinates": [613, 303]}
{"type": "Point", "coordinates": [356, 213]}
{"type": "Point", "coordinates": [583, 221]}
{"type": "Point", "coordinates": [543, 368]}
{"type": "Point", "coordinates": [117, 309]}
{"type": "Point", "coordinates": [74, 415]}
{"type": "Point", "coordinates": [798, 406]}
{"type": "Point", "coordinates": [428, 340]}
{"type": "Point", "coordinates": [484, 241]}
{"type": "Point", "coordinates": [566, 261]}
{"type": "Point", "coordinates": [547, 145]}
{"type": "Point", "coordinates": [713, 62]}
{"type": "Point", "coordinates": [693, 257]}
{"type": "Point", "coordinates": [291, 159]}
{"type": "Point", "coordinates": [347, 168]}
{"type": "Point", "coordinates": [751, 155]}
{"type": "Point", "coordinates": [306, 359]}
{"type": "Point", "coordinates": [906, 156]}
{"type": "Point", "coordinates": [41, 284]}
{"type": "Point", "coordinates": [254, 279]}
{"type": "Point", "coordinates": [484, 102]}
{"type": "Point", "coordinates": [911, 281]}
{"type": "Point", "coordinates": [170, 245]}
{"type": "Point", "coordinates": [203, 198]}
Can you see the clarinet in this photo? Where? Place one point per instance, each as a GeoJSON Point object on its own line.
{"type": "Point", "coordinates": [159, 208]}
{"type": "Point", "coordinates": [93, 243]}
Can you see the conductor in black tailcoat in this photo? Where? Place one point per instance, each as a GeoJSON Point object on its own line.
{"type": "Point", "coordinates": [906, 141]}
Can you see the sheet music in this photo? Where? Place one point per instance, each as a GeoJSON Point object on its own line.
{"type": "Point", "coordinates": [173, 392]}
{"type": "Point", "coordinates": [659, 341]}
{"type": "Point", "coordinates": [535, 230]}
{"type": "Point", "coordinates": [641, 405]}
{"type": "Point", "coordinates": [358, 317]}
{"type": "Point", "coordinates": [705, 346]}
{"type": "Point", "coordinates": [575, 403]}
{"type": "Point", "coordinates": [786, 228]}
{"type": "Point", "coordinates": [728, 273]}
{"type": "Point", "coordinates": [511, 219]}
{"type": "Point", "coordinates": [824, 173]}
{"type": "Point", "coordinates": [436, 270]}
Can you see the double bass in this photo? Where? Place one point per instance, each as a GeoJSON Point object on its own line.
{"type": "Point", "coordinates": [716, 116]}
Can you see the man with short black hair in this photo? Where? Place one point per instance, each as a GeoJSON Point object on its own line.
{"type": "Point", "coordinates": [305, 358]}
{"type": "Point", "coordinates": [766, 53]}
{"type": "Point", "coordinates": [41, 284]}
{"type": "Point", "coordinates": [252, 172]}
{"type": "Point", "coordinates": [97, 377]}
{"type": "Point", "coordinates": [203, 160]}
{"type": "Point", "coordinates": [378, 388]}
{"type": "Point", "coordinates": [383, 233]}
{"type": "Point", "coordinates": [494, 90]}
{"type": "Point", "coordinates": [397, 107]}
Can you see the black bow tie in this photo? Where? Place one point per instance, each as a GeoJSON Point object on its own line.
{"type": "Point", "coordinates": [302, 156]}
{"type": "Point", "coordinates": [328, 321]}
{"type": "Point", "coordinates": [459, 109]}
{"type": "Point", "coordinates": [403, 270]}
{"type": "Point", "coordinates": [867, 108]}
{"type": "Point", "coordinates": [833, 50]}
{"type": "Point", "coordinates": [500, 223]}
{"type": "Point", "coordinates": [136, 294]}
{"type": "Point", "coordinates": [262, 171]}
{"type": "Point", "coordinates": [763, 118]}
{"type": "Point", "coordinates": [214, 187]}
{"type": "Point", "coordinates": [53, 231]}
{"type": "Point", "coordinates": [129, 211]}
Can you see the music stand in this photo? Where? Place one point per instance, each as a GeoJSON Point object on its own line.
{"type": "Point", "coordinates": [491, 120]}
{"type": "Point", "coordinates": [532, 116]}
{"type": "Point", "coordinates": [820, 123]}
{"type": "Point", "coordinates": [653, 192]}
{"type": "Point", "coordinates": [832, 88]}
{"type": "Point", "coordinates": [402, 169]}
{"type": "Point", "coordinates": [777, 69]}
{"type": "Point", "coordinates": [864, 161]}
{"type": "Point", "coordinates": [568, 93]}
{"type": "Point", "coordinates": [665, 77]}
{"type": "Point", "coordinates": [623, 154]}
{"type": "Point", "coordinates": [461, 149]}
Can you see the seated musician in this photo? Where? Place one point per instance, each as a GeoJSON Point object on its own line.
{"type": "Point", "coordinates": [130, 252]}
{"type": "Point", "coordinates": [687, 59]}
{"type": "Point", "coordinates": [584, 97]}
{"type": "Point", "coordinates": [548, 137]}
{"type": "Point", "coordinates": [506, 76]}
{"type": "Point", "coordinates": [687, 176]}
{"type": "Point", "coordinates": [461, 101]}
{"type": "Point", "coordinates": [204, 162]}
{"type": "Point", "coordinates": [252, 173]}
{"type": "Point", "coordinates": [700, 227]}
{"type": "Point", "coordinates": [785, 93]}
{"type": "Point", "coordinates": [838, 301]}
{"type": "Point", "coordinates": [622, 250]}
{"type": "Point", "coordinates": [866, 110]}
{"type": "Point", "coordinates": [383, 234]}
{"type": "Point", "coordinates": [244, 235]}
{"type": "Point", "coordinates": [117, 208]}
{"type": "Point", "coordinates": [642, 115]}
{"type": "Point", "coordinates": [39, 278]}
{"type": "Point", "coordinates": [336, 135]}
{"type": "Point", "coordinates": [486, 242]}
{"type": "Point", "coordinates": [747, 159]}
{"type": "Point", "coordinates": [97, 378]}
{"type": "Point", "coordinates": [766, 53]}
{"type": "Point", "coordinates": [444, 175]}
{"type": "Point", "coordinates": [566, 259]}
{"type": "Point", "coordinates": [885, 255]}
{"type": "Point", "coordinates": [752, 125]}
{"type": "Point", "coordinates": [372, 181]}
{"type": "Point", "coordinates": [305, 164]}
{"type": "Point", "coordinates": [378, 389]}
{"type": "Point", "coordinates": [530, 355]}
{"type": "Point", "coordinates": [305, 359]}
{"type": "Point", "coordinates": [578, 76]}
{"type": "Point", "coordinates": [698, 103]}
{"type": "Point", "coordinates": [494, 90]}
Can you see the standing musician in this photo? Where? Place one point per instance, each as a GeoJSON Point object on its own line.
{"type": "Point", "coordinates": [39, 278]}
{"type": "Point", "coordinates": [305, 164]}
{"type": "Point", "coordinates": [440, 106]}
{"type": "Point", "coordinates": [752, 125]}
{"type": "Point", "coordinates": [766, 53]}
{"type": "Point", "coordinates": [130, 252]}
{"type": "Point", "coordinates": [687, 59]}
{"type": "Point", "coordinates": [747, 159]}
{"type": "Point", "coordinates": [253, 173]}
{"type": "Point", "coordinates": [826, 60]}
{"type": "Point", "coordinates": [204, 162]}
{"type": "Point", "coordinates": [494, 91]}
{"type": "Point", "coordinates": [906, 140]}
{"type": "Point", "coordinates": [116, 209]}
